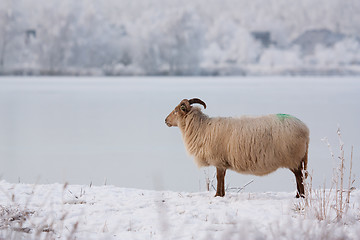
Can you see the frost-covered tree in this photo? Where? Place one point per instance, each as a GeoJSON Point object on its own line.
{"type": "Point", "coordinates": [172, 44]}
{"type": "Point", "coordinates": [56, 36]}
{"type": "Point", "coordinates": [7, 29]}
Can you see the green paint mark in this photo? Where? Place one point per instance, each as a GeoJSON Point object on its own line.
{"type": "Point", "coordinates": [282, 116]}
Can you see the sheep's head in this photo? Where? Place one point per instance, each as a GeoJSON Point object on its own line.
{"type": "Point", "coordinates": [181, 110]}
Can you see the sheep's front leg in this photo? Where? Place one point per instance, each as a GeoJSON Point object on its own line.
{"type": "Point", "coordinates": [220, 176]}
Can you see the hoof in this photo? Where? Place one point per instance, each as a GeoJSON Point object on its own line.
{"type": "Point", "coordinates": [219, 195]}
{"type": "Point", "coordinates": [300, 195]}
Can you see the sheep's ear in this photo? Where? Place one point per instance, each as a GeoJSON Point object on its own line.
{"type": "Point", "coordinates": [183, 108]}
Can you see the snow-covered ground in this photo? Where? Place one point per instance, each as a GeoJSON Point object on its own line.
{"type": "Point", "coordinates": [55, 211]}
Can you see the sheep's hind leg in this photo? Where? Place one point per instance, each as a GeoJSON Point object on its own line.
{"type": "Point", "coordinates": [220, 176]}
{"type": "Point", "coordinates": [299, 182]}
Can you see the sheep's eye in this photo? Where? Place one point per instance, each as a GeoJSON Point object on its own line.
{"type": "Point", "coordinates": [183, 108]}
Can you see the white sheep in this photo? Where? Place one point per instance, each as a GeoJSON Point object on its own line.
{"type": "Point", "coordinates": [249, 145]}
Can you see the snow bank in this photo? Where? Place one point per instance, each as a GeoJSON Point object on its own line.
{"type": "Point", "coordinates": [108, 212]}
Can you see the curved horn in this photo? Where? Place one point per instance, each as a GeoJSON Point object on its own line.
{"type": "Point", "coordinates": [196, 100]}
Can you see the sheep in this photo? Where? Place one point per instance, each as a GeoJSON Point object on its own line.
{"type": "Point", "coordinates": [247, 145]}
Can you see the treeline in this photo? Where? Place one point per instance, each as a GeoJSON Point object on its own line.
{"type": "Point", "coordinates": [160, 37]}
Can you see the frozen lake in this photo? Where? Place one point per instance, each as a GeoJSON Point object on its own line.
{"type": "Point", "coordinates": [112, 130]}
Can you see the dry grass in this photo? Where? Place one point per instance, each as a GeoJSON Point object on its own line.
{"type": "Point", "coordinates": [18, 221]}
{"type": "Point", "coordinates": [330, 204]}
{"type": "Point", "coordinates": [211, 186]}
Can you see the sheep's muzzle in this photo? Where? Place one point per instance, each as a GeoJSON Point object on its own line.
{"type": "Point", "coordinates": [167, 123]}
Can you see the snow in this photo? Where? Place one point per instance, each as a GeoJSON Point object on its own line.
{"type": "Point", "coordinates": [108, 212]}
